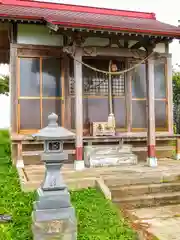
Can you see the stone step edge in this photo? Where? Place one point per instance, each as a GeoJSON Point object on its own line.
{"type": "Point", "coordinates": [147, 197]}
{"type": "Point", "coordinates": [141, 186]}
{"type": "Point", "coordinates": [134, 181]}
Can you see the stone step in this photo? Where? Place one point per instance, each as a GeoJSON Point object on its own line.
{"type": "Point", "coordinates": [140, 179]}
{"type": "Point", "coordinates": [110, 149]}
{"type": "Point", "coordinates": [113, 159]}
{"type": "Point", "coordinates": [148, 200]}
{"type": "Point", "coordinates": [136, 190]}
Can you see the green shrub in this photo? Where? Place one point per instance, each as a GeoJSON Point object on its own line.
{"type": "Point", "coordinates": [5, 143]}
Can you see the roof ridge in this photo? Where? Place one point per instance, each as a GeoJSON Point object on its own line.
{"type": "Point", "coordinates": [79, 8]}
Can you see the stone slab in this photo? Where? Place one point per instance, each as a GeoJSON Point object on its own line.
{"type": "Point", "coordinates": [110, 160]}
{"type": "Point", "coordinates": [162, 222]}
{"type": "Point", "coordinates": [157, 212]}
{"type": "Point", "coordinates": [50, 230]}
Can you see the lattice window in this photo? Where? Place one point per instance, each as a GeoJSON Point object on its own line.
{"type": "Point", "coordinates": [96, 83]}
{"type": "Point", "coordinates": [118, 85]}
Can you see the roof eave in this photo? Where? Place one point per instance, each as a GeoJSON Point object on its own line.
{"type": "Point", "coordinates": [30, 19]}
{"type": "Point", "coordinates": [118, 29]}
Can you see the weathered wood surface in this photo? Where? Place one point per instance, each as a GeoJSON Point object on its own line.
{"type": "Point", "coordinates": [78, 103]}
{"type": "Point", "coordinates": [124, 135]}
{"type": "Point", "coordinates": [13, 88]}
{"type": "Point", "coordinates": [108, 51]}
{"type": "Point", "coordinates": [37, 50]}
{"type": "Point", "coordinates": [151, 132]}
{"type": "Point", "coordinates": [128, 98]}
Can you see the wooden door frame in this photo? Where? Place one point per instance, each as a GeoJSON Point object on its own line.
{"type": "Point", "coordinates": [24, 53]}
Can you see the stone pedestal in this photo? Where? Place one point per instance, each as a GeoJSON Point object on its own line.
{"type": "Point", "coordinates": [53, 216]}
{"type": "Point", "coordinates": [51, 224]}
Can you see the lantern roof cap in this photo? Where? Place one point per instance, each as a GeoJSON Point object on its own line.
{"type": "Point", "coordinates": [53, 131]}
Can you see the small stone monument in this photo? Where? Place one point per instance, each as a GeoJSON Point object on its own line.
{"type": "Point", "coordinates": [53, 216]}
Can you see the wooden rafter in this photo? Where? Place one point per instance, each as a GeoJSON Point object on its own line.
{"type": "Point", "coordinates": [114, 35]}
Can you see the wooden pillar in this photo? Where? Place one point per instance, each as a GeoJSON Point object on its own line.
{"type": "Point", "coordinates": [151, 132]}
{"type": "Point", "coordinates": [128, 99]}
{"type": "Point", "coordinates": [169, 93]}
{"type": "Point", "coordinates": [110, 98]}
{"type": "Point", "coordinates": [79, 163]}
{"type": "Point", "coordinates": [67, 100]}
{"type": "Point", "coordinates": [13, 89]}
{"type": "Point", "coordinates": [178, 148]}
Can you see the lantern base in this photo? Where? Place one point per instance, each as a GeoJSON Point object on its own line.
{"type": "Point", "coordinates": [54, 224]}
{"type": "Point", "coordinates": [79, 165]}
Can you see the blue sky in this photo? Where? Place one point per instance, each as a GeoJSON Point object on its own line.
{"type": "Point", "coordinates": [166, 11]}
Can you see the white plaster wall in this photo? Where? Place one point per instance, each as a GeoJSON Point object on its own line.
{"type": "Point", "coordinates": [160, 48]}
{"type": "Point", "coordinates": [90, 41]}
{"type": "Point", "coordinates": [37, 35]}
{"type": "Point", "coordinates": [101, 42]}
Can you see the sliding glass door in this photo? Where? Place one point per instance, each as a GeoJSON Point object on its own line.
{"type": "Point", "coordinates": [39, 91]}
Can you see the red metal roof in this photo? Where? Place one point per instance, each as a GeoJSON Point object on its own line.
{"type": "Point", "coordinates": [87, 17]}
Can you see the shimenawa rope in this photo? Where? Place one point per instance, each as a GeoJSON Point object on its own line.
{"type": "Point", "coordinates": [108, 72]}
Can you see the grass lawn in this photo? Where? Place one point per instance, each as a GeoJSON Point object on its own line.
{"type": "Point", "coordinates": [97, 218]}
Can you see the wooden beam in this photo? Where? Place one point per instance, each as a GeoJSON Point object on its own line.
{"type": "Point", "coordinates": [114, 52]}
{"type": "Point", "coordinates": [38, 51]}
{"type": "Point", "coordinates": [151, 132]}
{"type": "Point", "coordinates": [67, 99]}
{"type": "Point", "coordinates": [63, 94]}
{"type": "Point", "coordinates": [79, 163]}
{"type": "Point", "coordinates": [110, 93]}
{"type": "Point", "coordinates": [31, 47]}
{"type": "Point", "coordinates": [14, 30]}
{"type": "Point", "coordinates": [128, 99]}
{"type": "Point", "coordinates": [115, 35]}
{"type": "Point", "coordinates": [13, 88]}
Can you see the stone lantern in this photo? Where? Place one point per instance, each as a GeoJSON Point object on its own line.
{"type": "Point", "coordinates": [53, 215]}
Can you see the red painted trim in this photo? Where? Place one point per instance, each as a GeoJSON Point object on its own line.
{"type": "Point", "coordinates": [79, 153]}
{"type": "Point", "coordinates": [151, 151]}
{"type": "Point", "coordinates": [115, 28]}
{"type": "Point", "coordinates": [22, 17]}
{"type": "Point", "coordinates": [76, 8]}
